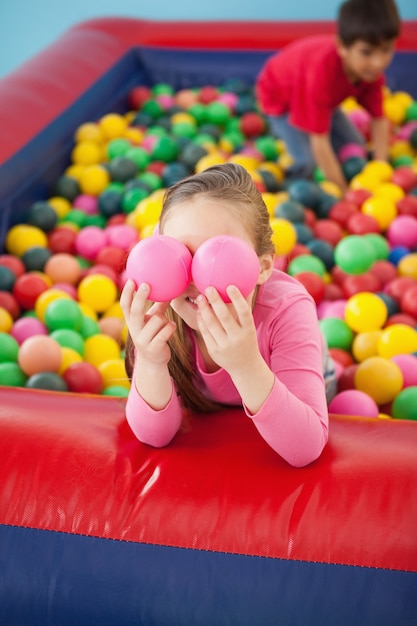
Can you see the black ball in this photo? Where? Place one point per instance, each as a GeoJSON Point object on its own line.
{"type": "Point", "coordinates": [7, 279]}
{"type": "Point", "coordinates": [42, 215]}
{"type": "Point", "coordinates": [67, 187]}
{"type": "Point", "coordinates": [35, 258]}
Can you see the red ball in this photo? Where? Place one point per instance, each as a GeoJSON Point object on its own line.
{"type": "Point", "coordinates": [384, 270]}
{"type": "Point", "coordinates": [341, 356]}
{"type": "Point", "coordinates": [115, 220]}
{"type": "Point", "coordinates": [156, 167]}
{"type": "Point", "coordinates": [138, 96]}
{"type": "Point", "coordinates": [310, 218]}
{"type": "Point", "coordinates": [62, 239]}
{"type": "Point", "coordinates": [404, 177]}
{"type": "Point", "coordinates": [342, 211]}
{"type": "Point", "coordinates": [328, 230]}
{"type": "Point", "coordinates": [252, 124]}
{"type": "Point", "coordinates": [208, 94]}
{"type": "Point", "coordinates": [28, 288]}
{"type": "Point", "coordinates": [13, 263]}
{"type": "Point", "coordinates": [361, 282]}
{"type": "Point", "coordinates": [357, 196]}
{"type": "Point", "coordinates": [347, 378]}
{"type": "Point", "coordinates": [361, 224]}
{"type": "Point", "coordinates": [408, 301]}
{"type": "Point", "coordinates": [401, 318]}
{"type": "Point", "coordinates": [333, 292]}
{"type": "Point", "coordinates": [338, 275]}
{"type": "Point", "coordinates": [407, 206]}
{"type": "Point", "coordinates": [313, 283]}
{"type": "Point", "coordinates": [83, 377]}
{"type": "Point", "coordinates": [9, 302]}
{"type": "Point", "coordinates": [297, 250]}
{"type": "Point", "coordinates": [104, 270]}
{"type": "Point", "coordinates": [397, 287]}
{"type": "Point", "coordinates": [112, 257]}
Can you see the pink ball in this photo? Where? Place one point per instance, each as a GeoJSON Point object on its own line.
{"type": "Point", "coordinates": [408, 365]}
{"type": "Point", "coordinates": [351, 150]}
{"type": "Point", "coordinates": [230, 99]}
{"type": "Point", "coordinates": [26, 327]}
{"type": "Point", "coordinates": [332, 308]}
{"type": "Point", "coordinates": [403, 231]}
{"type": "Point", "coordinates": [86, 203]}
{"type": "Point", "coordinates": [164, 263]}
{"type": "Point", "coordinates": [121, 236]}
{"type": "Point", "coordinates": [71, 290]}
{"type": "Point", "coordinates": [354, 402]}
{"type": "Point", "coordinates": [89, 241]}
{"type": "Point", "coordinates": [225, 260]}
{"type": "Point", "coordinates": [404, 132]}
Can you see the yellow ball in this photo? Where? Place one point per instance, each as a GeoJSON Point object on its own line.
{"type": "Point", "coordinates": [216, 158]}
{"type": "Point", "coordinates": [75, 171]}
{"type": "Point", "coordinates": [284, 235]}
{"type": "Point", "coordinates": [69, 356]}
{"type": "Point", "coordinates": [90, 131]}
{"type": "Point", "coordinates": [97, 291]}
{"type": "Point", "coordinates": [6, 320]}
{"type": "Point", "coordinates": [270, 200]}
{"type": "Point", "coordinates": [60, 205]}
{"type": "Point", "coordinates": [113, 372]}
{"type": "Point", "coordinates": [24, 236]}
{"type": "Point", "coordinates": [379, 170]}
{"type": "Point", "coordinates": [389, 190]}
{"type": "Point", "coordinates": [364, 181]}
{"type": "Point", "coordinates": [380, 378]}
{"type": "Point", "coordinates": [365, 345]}
{"type": "Point", "coordinates": [94, 179]}
{"type": "Point", "coordinates": [365, 311]}
{"type": "Point", "coordinates": [147, 211]}
{"type": "Point", "coordinates": [397, 339]}
{"type": "Point", "coordinates": [45, 299]}
{"type": "Point", "coordinates": [331, 188]}
{"type": "Point", "coordinates": [88, 311]}
{"type": "Point", "coordinates": [86, 153]}
{"type": "Point", "coordinates": [115, 310]}
{"type": "Point", "coordinates": [246, 161]}
{"type": "Point", "coordinates": [112, 125]}
{"type": "Point", "coordinates": [400, 148]}
{"type": "Point", "coordinates": [382, 209]}
{"type": "Point", "coordinates": [407, 266]}
{"type": "Point", "coordinates": [394, 110]}
{"type": "Point", "coordinates": [273, 168]}
{"type": "Point", "coordinates": [100, 348]}
{"type": "Point", "coordinates": [183, 118]}
{"type": "Point", "coordinates": [135, 135]}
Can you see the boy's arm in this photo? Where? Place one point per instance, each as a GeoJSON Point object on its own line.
{"type": "Point", "coordinates": [326, 159]}
{"type": "Point", "coordinates": [380, 137]}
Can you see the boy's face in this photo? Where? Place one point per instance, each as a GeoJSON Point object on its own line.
{"type": "Point", "coordinates": [363, 61]}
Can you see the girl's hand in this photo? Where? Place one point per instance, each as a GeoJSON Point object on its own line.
{"type": "Point", "coordinates": [151, 330]}
{"type": "Point", "coordinates": [228, 331]}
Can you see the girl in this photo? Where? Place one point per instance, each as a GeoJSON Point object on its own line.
{"type": "Point", "coordinates": [263, 352]}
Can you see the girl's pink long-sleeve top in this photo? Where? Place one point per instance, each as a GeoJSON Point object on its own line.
{"type": "Point", "coordinates": [293, 420]}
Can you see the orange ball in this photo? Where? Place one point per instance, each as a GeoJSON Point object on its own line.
{"type": "Point", "coordinates": [63, 268]}
{"type": "Point", "coordinates": [40, 353]}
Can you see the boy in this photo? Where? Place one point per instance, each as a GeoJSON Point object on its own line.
{"type": "Point", "coordinates": [300, 88]}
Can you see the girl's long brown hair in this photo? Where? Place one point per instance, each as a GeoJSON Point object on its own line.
{"type": "Point", "coordinates": [231, 185]}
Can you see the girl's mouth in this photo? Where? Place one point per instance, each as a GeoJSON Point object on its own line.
{"type": "Point", "coordinates": [192, 301]}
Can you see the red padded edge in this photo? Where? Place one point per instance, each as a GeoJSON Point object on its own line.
{"type": "Point", "coordinates": [43, 87]}
{"type": "Point", "coordinates": [70, 463]}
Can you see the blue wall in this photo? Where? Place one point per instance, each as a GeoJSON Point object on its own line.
{"type": "Point", "coordinates": [27, 26]}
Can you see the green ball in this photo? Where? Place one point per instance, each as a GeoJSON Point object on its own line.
{"type": "Point", "coordinates": [132, 197]}
{"type": "Point", "coordinates": [184, 129]}
{"type": "Point", "coordinates": [152, 108]}
{"type": "Point", "coordinates": [162, 89]}
{"type": "Point", "coordinates": [9, 349]}
{"type": "Point", "coordinates": [380, 245]}
{"type": "Point", "coordinates": [96, 220]}
{"type": "Point", "coordinates": [63, 313]}
{"type": "Point", "coordinates": [199, 112]}
{"type": "Point", "coordinates": [354, 254]}
{"type": "Point", "coordinates": [217, 113]}
{"type": "Point", "coordinates": [402, 159]}
{"type": "Point", "coordinates": [116, 390]}
{"type": "Point", "coordinates": [404, 406]}
{"type": "Point", "coordinates": [337, 333]}
{"type": "Point", "coordinates": [47, 380]}
{"type": "Point", "coordinates": [152, 180]}
{"type": "Point", "coordinates": [411, 112]}
{"type": "Point", "coordinates": [139, 156]}
{"type": "Point", "coordinates": [89, 327]}
{"type": "Point", "coordinates": [166, 149]}
{"type": "Point", "coordinates": [11, 375]}
{"type": "Point", "coordinates": [235, 138]}
{"type": "Point", "coordinates": [68, 338]}
{"type": "Point", "coordinates": [268, 147]}
{"type": "Point", "coordinates": [306, 263]}
{"type": "Point", "coordinates": [117, 147]}
{"type": "Point", "coordinates": [75, 216]}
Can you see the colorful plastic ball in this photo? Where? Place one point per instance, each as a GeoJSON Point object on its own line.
{"type": "Point", "coordinates": [313, 283]}
{"type": "Point", "coordinates": [62, 240]}
{"type": "Point", "coordinates": [354, 402]}
{"type": "Point", "coordinates": [397, 339]}
{"type": "Point", "coordinates": [351, 150]}
{"type": "Point", "coordinates": [361, 224]}
{"type": "Point", "coordinates": [68, 187]}
{"type": "Point", "coordinates": [98, 291]}
{"type": "Point", "coordinates": [24, 236]}
{"type": "Point", "coordinates": [93, 180]}
{"type": "Point", "coordinates": [354, 255]}
{"type": "Point", "coordinates": [112, 125]}
{"type": "Point", "coordinates": [365, 345]}
{"type": "Point", "coordinates": [26, 327]}
{"type": "Point", "coordinates": [9, 348]}
{"type": "Point", "coordinates": [89, 327]}
{"type": "Point", "coordinates": [13, 263]}
{"type": "Point", "coordinates": [28, 288]}
{"type": "Point", "coordinates": [284, 235]}
{"type": "Point", "coordinates": [111, 326]}
{"type": "Point", "coordinates": [113, 257]}
{"type": "Point", "coordinates": [45, 298]}
{"type": "Point", "coordinates": [337, 333]}
{"type": "Point", "coordinates": [343, 357]}
{"type": "Point", "coordinates": [63, 313]}
{"type": "Point", "coordinates": [116, 391]}
{"type": "Point", "coordinates": [346, 380]}
{"type": "Point", "coordinates": [39, 353]}
{"type": "Point", "coordinates": [306, 192]}
{"type": "Point", "coordinates": [408, 366]}
{"type": "Point", "coordinates": [328, 230]}
{"type": "Point", "coordinates": [68, 338]}
{"type": "Point", "coordinates": [403, 232]}
{"type": "Point", "coordinates": [407, 266]}
{"type": "Point", "coordinates": [379, 378]}
{"type": "Point", "coordinates": [306, 263]}
{"type": "Point", "coordinates": [50, 381]}
{"type": "Point", "coordinates": [405, 178]}
{"type": "Point", "coordinates": [83, 378]}
{"type": "Point", "coordinates": [341, 212]}
{"type": "Point", "coordinates": [69, 356]}
{"type": "Point", "coordinates": [7, 279]}
{"type": "Point", "coordinates": [365, 311]}
{"type": "Point", "coordinates": [353, 285]}
{"type": "Point", "coordinates": [405, 404]}
{"type": "Point", "coordinates": [63, 268]}
{"type": "Point", "coordinates": [408, 301]}
{"type": "Point", "coordinates": [252, 124]}
{"type": "Point", "coordinates": [225, 260]}
{"type": "Point", "coordinates": [9, 302]}
{"type": "Point", "coordinates": [334, 308]}
{"type": "Point", "coordinates": [121, 236]}
{"type": "Point", "coordinates": [162, 262]}
{"type": "Point", "coordinates": [90, 241]}
{"type": "Point", "coordinates": [100, 348]}
{"type": "Point", "coordinates": [384, 271]}
{"type": "Point", "coordinates": [113, 372]}
{"type": "Point", "coordinates": [322, 250]}
{"type": "Point", "coordinates": [35, 258]}
{"type": "Point", "coordinates": [401, 318]}
{"type": "Point", "coordinates": [379, 244]}
{"type": "Point", "coordinates": [382, 208]}
{"type": "Point", "coordinates": [408, 206]}
{"type": "Point", "coordinates": [11, 375]}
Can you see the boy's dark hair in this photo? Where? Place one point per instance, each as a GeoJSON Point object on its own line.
{"type": "Point", "coordinates": [372, 21]}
